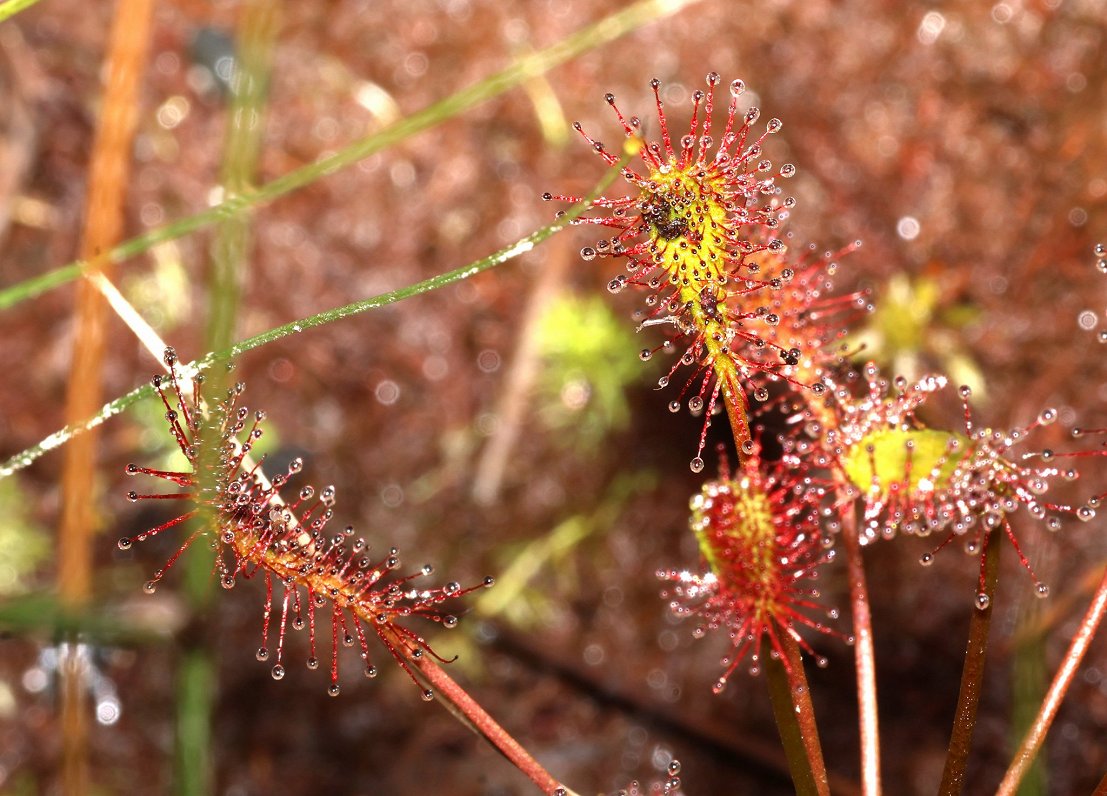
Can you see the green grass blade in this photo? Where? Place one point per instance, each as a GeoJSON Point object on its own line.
{"type": "Point", "coordinates": [13, 7]}
{"type": "Point", "coordinates": [113, 408]}
{"type": "Point", "coordinates": [523, 69]}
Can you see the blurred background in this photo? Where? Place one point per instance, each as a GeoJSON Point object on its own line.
{"type": "Point", "coordinates": [505, 425]}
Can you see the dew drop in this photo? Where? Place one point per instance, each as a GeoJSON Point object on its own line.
{"type": "Point", "coordinates": [277, 671]}
{"type": "Point", "coordinates": [227, 581]}
{"type": "Point", "coordinates": [761, 394]}
{"type": "Point", "coordinates": [982, 601]}
{"type": "Point", "coordinates": [588, 253]}
{"type": "Point", "coordinates": [926, 559]}
{"type": "Point", "coordinates": [674, 406]}
{"type": "Point", "coordinates": [427, 695]}
{"type": "Point", "coordinates": [774, 126]}
{"type": "Point", "coordinates": [1041, 590]}
{"type": "Point", "coordinates": [333, 689]}
{"type": "Point", "coordinates": [313, 663]}
{"type": "Point", "coordinates": [696, 465]}
{"type": "Point", "coordinates": [262, 654]}
{"type": "Point", "coordinates": [1047, 416]}
{"type": "Point", "coordinates": [695, 403]}
{"type": "Point", "coordinates": [125, 543]}
{"type": "Point", "coordinates": [151, 586]}
{"type": "Point", "coordinates": [674, 766]}
{"type": "Point", "coordinates": [737, 87]}
{"type": "Point", "coordinates": [371, 671]}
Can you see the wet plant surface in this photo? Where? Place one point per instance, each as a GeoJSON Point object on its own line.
{"type": "Point", "coordinates": [962, 144]}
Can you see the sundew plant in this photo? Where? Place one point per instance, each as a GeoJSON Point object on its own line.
{"type": "Point", "coordinates": [461, 397]}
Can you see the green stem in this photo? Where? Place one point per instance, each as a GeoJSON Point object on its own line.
{"type": "Point", "coordinates": [524, 68]}
{"type": "Point", "coordinates": [113, 408]}
{"type": "Point", "coordinates": [1029, 680]}
{"type": "Point", "coordinates": [972, 675]}
{"type": "Point", "coordinates": [795, 718]}
{"type": "Point", "coordinates": [195, 698]}
{"type": "Point", "coordinates": [256, 36]}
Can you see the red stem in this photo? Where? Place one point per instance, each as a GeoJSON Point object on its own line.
{"type": "Point", "coordinates": [1101, 788]}
{"type": "Point", "coordinates": [484, 725]}
{"type": "Point", "coordinates": [1032, 743]}
{"type": "Point", "coordinates": [972, 675]}
{"type": "Point", "coordinates": [864, 658]}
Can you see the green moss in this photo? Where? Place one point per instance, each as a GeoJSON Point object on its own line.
{"type": "Point", "coordinates": [591, 360]}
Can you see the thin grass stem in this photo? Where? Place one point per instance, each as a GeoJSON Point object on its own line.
{"type": "Point", "coordinates": [13, 7]}
{"type": "Point", "coordinates": [1032, 743]}
{"type": "Point", "coordinates": [256, 37]}
{"type": "Point", "coordinates": [109, 167]}
{"type": "Point", "coordinates": [112, 408]}
{"type": "Point", "coordinates": [523, 69]}
{"type": "Point", "coordinates": [196, 682]}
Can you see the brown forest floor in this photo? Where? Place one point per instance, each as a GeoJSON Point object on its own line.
{"type": "Point", "coordinates": [990, 132]}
